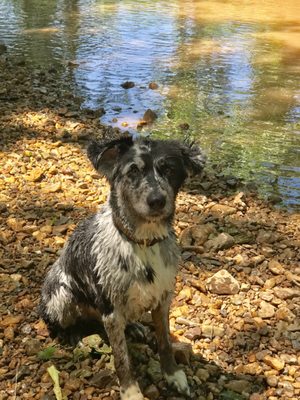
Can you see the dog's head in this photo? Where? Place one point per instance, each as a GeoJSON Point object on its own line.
{"type": "Point", "coordinates": [145, 175]}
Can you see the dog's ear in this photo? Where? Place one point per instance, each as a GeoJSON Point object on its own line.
{"type": "Point", "coordinates": [194, 159]}
{"type": "Point", "coordinates": [104, 154]}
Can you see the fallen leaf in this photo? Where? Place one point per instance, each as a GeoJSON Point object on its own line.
{"type": "Point", "coordinates": [54, 374]}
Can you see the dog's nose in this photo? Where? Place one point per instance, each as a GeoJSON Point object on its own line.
{"type": "Point", "coordinates": [156, 201]}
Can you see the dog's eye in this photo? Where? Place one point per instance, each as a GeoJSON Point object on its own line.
{"type": "Point", "coordinates": [168, 169]}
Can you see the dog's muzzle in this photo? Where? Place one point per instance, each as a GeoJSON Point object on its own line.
{"type": "Point", "coordinates": [156, 201]}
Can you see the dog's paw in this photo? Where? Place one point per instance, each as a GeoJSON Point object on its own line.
{"type": "Point", "coordinates": [132, 392]}
{"type": "Point", "coordinates": [179, 381]}
{"type": "Point", "coordinates": [136, 332]}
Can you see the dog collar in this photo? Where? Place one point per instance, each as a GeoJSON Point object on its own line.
{"type": "Point", "coordinates": [144, 242]}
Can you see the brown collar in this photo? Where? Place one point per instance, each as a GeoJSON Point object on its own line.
{"type": "Point", "coordinates": [129, 236]}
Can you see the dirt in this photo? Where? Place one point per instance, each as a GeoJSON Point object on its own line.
{"type": "Point", "coordinates": [236, 332]}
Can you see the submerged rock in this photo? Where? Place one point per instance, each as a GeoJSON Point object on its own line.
{"type": "Point", "coordinates": [127, 85]}
{"type": "Point", "coordinates": [153, 85]}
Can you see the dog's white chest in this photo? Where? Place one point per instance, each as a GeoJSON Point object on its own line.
{"type": "Point", "coordinates": [143, 296]}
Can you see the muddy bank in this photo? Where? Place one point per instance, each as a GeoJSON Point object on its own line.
{"type": "Point", "coordinates": [235, 318]}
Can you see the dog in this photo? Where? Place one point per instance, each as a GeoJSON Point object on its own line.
{"type": "Point", "coordinates": [122, 261]}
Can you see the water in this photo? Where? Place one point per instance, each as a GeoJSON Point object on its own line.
{"type": "Point", "coordinates": [228, 69]}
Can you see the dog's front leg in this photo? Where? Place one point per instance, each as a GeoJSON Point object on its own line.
{"type": "Point", "coordinates": [115, 328]}
{"type": "Point", "coordinates": [174, 376]}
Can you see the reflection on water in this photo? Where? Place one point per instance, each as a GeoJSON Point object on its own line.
{"type": "Point", "coordinates": [229, 69]}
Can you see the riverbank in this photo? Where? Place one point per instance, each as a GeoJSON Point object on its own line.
{"type": "Point", "coordinates": [237, 335]}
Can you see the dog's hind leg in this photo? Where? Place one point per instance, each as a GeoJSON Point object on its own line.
{"type": "Point", "coordinates": [174, 376]}
{"type": "Point", "coordinates": [58, 306]}
{"type": "Point", "coordinates": [115, 328]}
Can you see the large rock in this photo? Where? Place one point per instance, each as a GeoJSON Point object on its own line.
{"type": "Point", "coordinates": [223, 283]}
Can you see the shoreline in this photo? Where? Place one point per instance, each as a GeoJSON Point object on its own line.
{"type": "Point", "coordinates": [240, 345]}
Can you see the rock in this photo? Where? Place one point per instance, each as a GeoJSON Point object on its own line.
{"type": "Point", "coordinates": [223, 283]}
{"type": "Point", "coordinates": [211, 331]}
{"type": "Point", "coordinates": [295, 327]}
{"type": "Point", "coordinates": [256, 260]}
{"type": "Point", "coordinates": [53, 188]}
{"type": "Point", "coordinates": [149, 116]}
{"type": "Point", "coordinates": [202, 374]}
{"type": "Point", "coordinates": [104, 378]}
{"type": "Point", "coordinates": [256, 396]}
{"type": "Point", "coordinates": [252, 369]}
{"type": "Point", "coordinates": [11, 320]}
{"type": "Point", "coordinates": [239, 386]}
{"type": "Point", "coordinates": [3, 48]}
{"type": "Point", "coordinates": [184, 126]}
{"type": "Point", "coordinates": [286, 293]}
{"type": "Point", "coordinates": [196, 235]}
{"type": "Point", "coordinates": [222, 209]}
{"type": "Point", "coordinates": [32, 347]}
{"type": "Point", "coordinates": [153, 85]}
{"type": "Point", "coordinates": [15, 224]}
{"type": "Point", "coordinates": [3, 207]}
{"type": "Point", "coordinates": [36, 175]}
{"type": "Point", "coordinates": [73, 384]}
{"type": "Point", "coordinates": [266, 310]}
{"type": "Point", "coordinates": [182, 352]}
{"type": "Point", "coordinates": [272, 380]}
{"type": "Point", "coordinates": [193, 333]}
{"type": "Point", "coordinates": [290, 359]}
{"type": "Point", "coordinates": [9, 333]}
{"type": "Point", "coordinates": [274, 363]}
{"type": "Point", "coordinates": [266, 236]}
{"type": "Point", "coordinates": [220, 242]}
{"type": "Point", "coordinates": [284, 314]}
{"type": "Point", "coordinates": [274, 199]}
{"type": "Point", "coordinates": [151, 392]}
{"type": "Point", "coordinates": [275, 267]}
{"type": "Point", "coordinates": [127, 85]}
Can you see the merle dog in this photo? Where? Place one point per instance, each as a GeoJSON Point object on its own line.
{"type": "Point", "coordinates": [122, 261]}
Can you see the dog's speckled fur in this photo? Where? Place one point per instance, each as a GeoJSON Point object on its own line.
{"type": "Point", "coordinates": [104, 272]}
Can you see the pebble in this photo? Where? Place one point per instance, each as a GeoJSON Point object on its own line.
{"type": "Point", "coordinates": [273, 362]}
{"type": "Point", "coordinates": [275, 267]}
{"type": "Point", "coordinates": [266, 310]}
{"type": "Point", "coordinates": [272, 380]}
{"type": "Point", "coordinates": [151, 392]}
{"type": "Point", "coordinates": [153, 85]}
{"type": "Point", "coordinates": [286, 293]}
{"type": "Point", "coordinates": [239, 386]}
{"type": "Point", "coordinates": [103, 378]}
{"type": "Point", "coordinates": [222, 209]}
{"type": "Point", "coordinates": [32, 347]}
{"type": "Point", "coordinates": [182, 352]}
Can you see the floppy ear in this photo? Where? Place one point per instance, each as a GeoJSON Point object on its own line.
{"type": "Point", "coordinates": [104, 154]}
{"type": "Point", "coordinates": [194, 159]}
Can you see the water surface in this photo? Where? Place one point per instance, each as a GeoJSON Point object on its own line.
{"type": "Point", "coordinates": [228, 69]}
